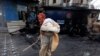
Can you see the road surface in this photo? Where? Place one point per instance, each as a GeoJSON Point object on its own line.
{"type": "Point", "coordinates": [68, 46]}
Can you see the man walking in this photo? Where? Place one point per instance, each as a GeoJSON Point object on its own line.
{"type": "Point", "coordinates": [49, 37]}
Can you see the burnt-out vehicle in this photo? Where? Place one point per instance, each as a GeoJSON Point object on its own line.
{"type": "Point", "coordinates": [73, 20]}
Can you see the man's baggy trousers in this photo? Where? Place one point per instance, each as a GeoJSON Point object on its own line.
{"type": "Point", "coordinates": [46, 40]}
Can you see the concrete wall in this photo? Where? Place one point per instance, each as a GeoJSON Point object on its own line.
{"type": "Point", "coordinates": [79, 2]}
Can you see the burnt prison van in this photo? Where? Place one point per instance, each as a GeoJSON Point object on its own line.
{"type": "Point", "coordinates": [73, 20]}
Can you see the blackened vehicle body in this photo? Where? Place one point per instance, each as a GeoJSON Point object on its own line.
{"type": "Point", "coordinates": [73, 20]}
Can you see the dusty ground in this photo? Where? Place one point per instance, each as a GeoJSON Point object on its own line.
{"type": "Point", "coordinates": [68, 46]}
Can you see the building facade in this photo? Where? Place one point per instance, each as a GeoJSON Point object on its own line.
{"type": "Point", "coordinates": [50, 2]}
{"type": "Point", "coordinates": [64, 2]}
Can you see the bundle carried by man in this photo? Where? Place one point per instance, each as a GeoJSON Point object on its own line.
{"type": "Point", "coordinates": [49, 25]}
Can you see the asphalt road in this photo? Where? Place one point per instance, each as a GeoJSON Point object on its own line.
{"type": "Point", "coordinates": [68, 46]}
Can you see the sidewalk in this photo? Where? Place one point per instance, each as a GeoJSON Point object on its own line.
{"type": "Point", "coordinates": [3, 29]}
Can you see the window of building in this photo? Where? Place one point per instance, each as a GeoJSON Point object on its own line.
{"type": "Point", "coordinates": [54, 1]}
{"type": "Point", "coordinates": [68, 1]}
{"type": "Point", "coordinates": [81, 1]}
{"type": "Point", "coordinates": [64, 1]}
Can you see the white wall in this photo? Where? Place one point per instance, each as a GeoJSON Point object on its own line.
{"type": "Point", "coordinates": [50, 2]}
{"type": "Point", "coordinates": [40, 1]}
